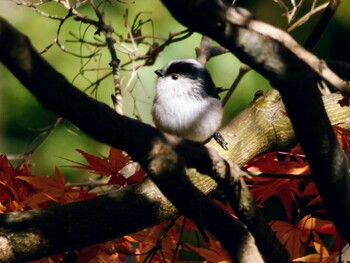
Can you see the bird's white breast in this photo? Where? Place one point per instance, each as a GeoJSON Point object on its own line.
{"type": "Point", "coordinates": [177, 111]}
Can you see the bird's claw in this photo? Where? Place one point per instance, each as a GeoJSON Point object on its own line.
{"type": "Point", "coordinates": [220, 140]}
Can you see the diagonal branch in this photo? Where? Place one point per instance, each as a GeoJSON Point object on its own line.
{"type": "Point", "coordinates": [321, 24]}
{"type": "Point", "coordinates": [144, 143]}
{"type": "Point", "coordinates": [45, 235]}
{"type": "Point", "coordinates": [148, 145]}
{"type": "Point", "coordinates": [294, 72]}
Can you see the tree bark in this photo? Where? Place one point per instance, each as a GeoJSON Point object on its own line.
{"type": "Point", "coordinates": [155, 152]}
{"type": "Point", "coordinates": [295, 73]}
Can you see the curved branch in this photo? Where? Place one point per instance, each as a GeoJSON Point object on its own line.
{"type": "Point", "coordinates": [294, 72]}
{"type": "Point", "coordinates": [144, 143]}
{"type": "Point", "coordinates": [42, 230]}
{"type": "Point", "coordinates": [38, 233]}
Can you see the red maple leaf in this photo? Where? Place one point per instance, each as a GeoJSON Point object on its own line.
{"type": "Point", "coordinates": [113, 166]}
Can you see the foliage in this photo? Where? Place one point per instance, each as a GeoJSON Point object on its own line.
{"type": "Point", "coordinates": [302, 226]}
{"type": "Point", "coordinates": [88, 73]}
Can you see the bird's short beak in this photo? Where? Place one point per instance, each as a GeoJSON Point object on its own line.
{"type": "Point", "coordinates": [159, 72]}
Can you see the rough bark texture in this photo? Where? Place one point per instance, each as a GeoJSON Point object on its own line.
{"type": "Point", "coordinates": [260, 128]}
{"type": "Point", "coordinates": [36, 233]}
{"type": "Point", "coordinates": [148, 203]}
{"type": "Point", "coordinates": [144, 143]}
{"type": "Point", "coordinates": [295, 73]}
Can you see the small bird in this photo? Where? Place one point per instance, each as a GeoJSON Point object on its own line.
{"type": "Point", "coordinates": [187, 103]}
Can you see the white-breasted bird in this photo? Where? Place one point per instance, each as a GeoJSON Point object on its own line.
{"type": "Point", "coordinates": [186, 103]}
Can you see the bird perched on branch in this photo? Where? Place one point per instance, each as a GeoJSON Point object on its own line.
{"type": "Point", "coordinates": [187, 103]}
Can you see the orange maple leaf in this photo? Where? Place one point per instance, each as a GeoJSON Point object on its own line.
{"type": "Point", "coordinates": [213, 253]}
{"type": "Point", "coordinates": [322, 255]}
{"type": "Point", "coordinates": [2, 208]}
{"type": "Point", "coordinates": [293, 163]}
{"type": "Point", "coordinates": [48, 189]}
{"type": "Point", "coordinates": [294, 237]}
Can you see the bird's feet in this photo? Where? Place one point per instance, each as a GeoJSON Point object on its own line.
{"type": "Point", "coordinates": [220, 140]}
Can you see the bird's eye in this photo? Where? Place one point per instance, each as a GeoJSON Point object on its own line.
{"type": "Point", "coordinates": [174, 76]}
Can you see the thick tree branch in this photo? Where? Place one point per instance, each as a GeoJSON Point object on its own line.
{"type": "Point", "coordinates": [174, 183]}
{"type": "Point", "coordinates": [294, 72]}
{"type": "Point", "coordinates": [39, 228]}
{"type": "Point", "coordinates": [144, 143]}
{"type": "Point", "coordinates": [148, 200]}
{"type": "Point", "coordinates": [38, 233]}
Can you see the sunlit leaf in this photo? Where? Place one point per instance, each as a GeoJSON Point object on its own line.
{"type": "Point", "coordinates": [269, 163]}
{"type": "Point", "coordinates": [322, 255]}
{"type": "Point", "coordinates": [295, 236]}
{"type": "Point", "coordinates": [291, 237]}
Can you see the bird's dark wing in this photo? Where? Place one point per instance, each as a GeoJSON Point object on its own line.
{"type": "Point", "coordinates": [216, 91]}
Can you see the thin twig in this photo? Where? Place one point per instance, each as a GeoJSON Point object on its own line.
{"type": "Point", "coordinates": [244, 69]}
{"type": "Point", "coordinates": [206, 51]}
{"type": "Point", "coordinates": [306, 17]}
{"type": "Point", "coordinates": [179, 242]}
{"type": "Point", "coordinates": [115, 62]}
{"type": "Point", "coordinates": [42, 13]}
{"type": "Point", "coordinates": [319, 66]}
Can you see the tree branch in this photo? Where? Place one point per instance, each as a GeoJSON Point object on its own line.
{"type": "Point", "coordinates": [144, 143]}
{"type": "Point", "coordinates": [38, 233]}
{"type": "Point", "coordinates": [321, 24]}
{"type": "Point", "coordinates": [40, 228]}
{"type": "Point", "coordinates": [147, 145]}
{"type": "Point", "coordinates": [294, 72]}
